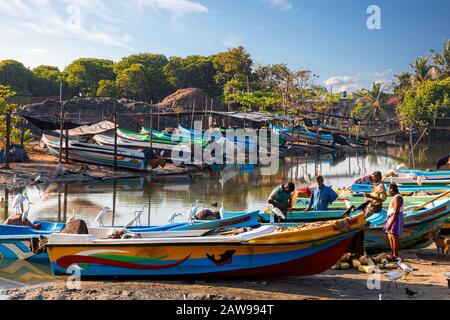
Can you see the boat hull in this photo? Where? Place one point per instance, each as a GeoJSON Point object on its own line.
{"type": "Point", "coordinates": [191, 260]}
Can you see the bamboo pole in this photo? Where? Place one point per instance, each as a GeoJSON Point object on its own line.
{"type": "Point", "coordinates": [8, 139]}
{"type": "Point", "coordinates": [61, 133]}
{"type": "Point", "coordinates": [115, 137]}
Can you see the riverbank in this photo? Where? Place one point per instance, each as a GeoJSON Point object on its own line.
{"type": "Point", "coordinates": [45, 166]}
{"type": "Point", "coordinates": [428, 281]}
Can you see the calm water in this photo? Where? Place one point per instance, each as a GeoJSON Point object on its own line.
{"type": "Point", "coordinates": [238, 188]}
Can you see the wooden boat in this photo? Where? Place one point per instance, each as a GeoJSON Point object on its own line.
{"type": "Point", "coordinates": [168, 152]}
{"type": "Point", "coordinates": [418, 224]}
{"type": "Point", "coordinates": [97, 154]}
{"type": "Point", "coordinates": [265, 251]}
{"type": "Point", "coordinates": [340, 204]}
{"type": "Point", "coordinates": [295, 135]}
{"type": "Point", "coordinates": [404, 189]}
{"type": "Point", "coordinates": [21, 243]}
{"type": "Point", "coordinates": [19, 273]}
{"type": "Point", "coordinates": [162, 139]}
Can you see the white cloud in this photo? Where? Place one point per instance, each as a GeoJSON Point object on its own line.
{"type": "Point", "coordinates": [343, 83]}
{"type": "Point", "coordinates": [42, 16]}
{"type": "Point", "coordinates": [382, 74]}
{"type": "Point", "coordinates": [285, 5]}
{"type": "Point", "coordinates": [176, 7]}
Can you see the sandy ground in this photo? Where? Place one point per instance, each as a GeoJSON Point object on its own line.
{"type": "Point", "coordinates": [23, 174]}
{"type": "Point", "coordinates": [428, 282]}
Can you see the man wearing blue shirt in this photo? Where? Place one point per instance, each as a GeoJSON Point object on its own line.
{"type": "Point", "coordinates": [322, 196]}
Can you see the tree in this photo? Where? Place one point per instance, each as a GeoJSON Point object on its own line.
{"type": "Point", "coordinates": [83, 75]}
{"type": "Point", "coordinates": [132, 82]}
{"type": "Point", "coordinates": [108, 88]}
{"type": "Point", "coordinates": [46, 81]}
{"type": "Point", "coordinates": [149, 69]}
{"type": "Point", "coordinates": [16, 76]}
{"type": "Point", "coordinates": [430, 98]}
{"type": "Point", "coordinates": [373, 102]}
{"type": "Point", "coordinates": [192, 72]}
{"type": "Point", "coordinates": [442, 60]}
{"type": "Point", "coordinates": [294, 86]}
{"type": "Point", "coordinates": [421, 71]}
{"type": "Point", "coordinates": [261, 100]}
{"type": "Point", "coordinates": [235, 63]}
{"type": "Point", "coordinates": [6, 92]}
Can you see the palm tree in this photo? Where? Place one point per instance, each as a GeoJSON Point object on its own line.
{"type": "Point", "coordinates": [422, 71]}
{"type": "Point", "coordinates": [442, 60]}
{"type": "Point", "coordinates": [374, 101]}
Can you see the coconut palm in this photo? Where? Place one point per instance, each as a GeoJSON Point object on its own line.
{"type": "Point", "coordinates": [441, 60]}
{"type": "Point", "coordinates": [374, 101]}
{"type": "Point", "coordinates": [422, 71]}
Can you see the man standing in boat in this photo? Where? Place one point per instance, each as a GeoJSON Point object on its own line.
{"type": "Point", "coordinates": [377, 196]}
{"type": "Point", "coordinates": [281, 198]}
{"type": "Point", "coordinates": [322, 196]}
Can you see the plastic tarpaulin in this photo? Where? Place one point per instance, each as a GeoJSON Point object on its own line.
{"type": "Point", "coordinates": [91, 130]}
{"type": "Point", "coordinates": [51, 124]}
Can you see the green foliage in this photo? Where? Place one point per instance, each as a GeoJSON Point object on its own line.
{"type": "Point", "coordinates": [83, 75]}
{"type": "Point", "coordinates": [260, 100]}
{"type": "Point", "coordinates": [6, 92]}
{"type": "Point", "coordinates": [442, 60]}
{"type": "Point", "coordinates": [46, 81]}
{"type": "Point", "coordinates": [149, 72]}
{"type": "Point", "coordinates": [108, 89]}
{"type": "Point", "coordinates": [234, 64]}
{"type": "Point", "coordinates": [15, 75]}
{"type": "Point", "coordinates": [192, 72]}
{"type": "Point", "coordinates": [429, 98]}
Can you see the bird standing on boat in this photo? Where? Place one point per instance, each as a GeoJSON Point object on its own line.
{"type": "Point", "coordinates": [18, 202]}
{"type": "Point", "coordinates": [173, 217]}
{"type": "Point", "coordinates": [137, 217]}
{"type": "Point", "coordinates": [72, 217]}
{"type": "Point", "coordinates": [101, 215]}
{"type": "Point", "coordinates": [222, 212]}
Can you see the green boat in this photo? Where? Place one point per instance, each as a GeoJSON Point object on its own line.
{"type": "Point", "coordinates": [418, 224]}
{"type": "Point", "coordinates": [157, 137]}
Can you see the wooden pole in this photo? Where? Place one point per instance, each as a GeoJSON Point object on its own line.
{"type": "Point", "coordinates": [22, 132]}
{"type": "Point", "coordinates": [66, 188]}
{"type": "Point", "coordinates": [151, 128]}
{"type": "Point", "coordinates": [61, 132]}
{"type": "Point", "coordinates": [67, 145]}
{"type": "Point", "coordinates": [6, 204]}
{"type": "Point", "coordinates": [114, 202]}
{"type": "Point", "coordinates": [115, 137]}
{"type": "Point", "coordinates": [193, 115]}
{"type": "Point", "coordinates": [8, 139]}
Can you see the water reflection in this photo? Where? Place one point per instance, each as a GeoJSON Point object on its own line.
{"type": "Point", "coordinates": [238, 187]}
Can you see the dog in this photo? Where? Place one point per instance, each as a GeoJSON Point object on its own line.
{"type": "Point", "coordinates": [442, 244]}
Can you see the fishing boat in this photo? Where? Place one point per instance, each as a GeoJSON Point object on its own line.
{"type": "Point", "coordinates": [404, 189]}
{"type": "Point", "coordinates": [159, 138]}
{"type": "Point", "coordinates": [417, 177]}
{"type": "Point", "coordinates": [298, 134]}
{"type": "Point", "coordinates": [264, 251]}
{"type": "Point", "coordinates": [22, 243]}
{"type": "Point", "coordinates": [168, 152]}
{"type": "Point", "coordinates": [97, 154]}
{"type": "Point", "coordinates": [419, 224]}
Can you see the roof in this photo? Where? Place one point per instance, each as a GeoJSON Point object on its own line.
{"type": "Point", "coordinates": [254, 116]}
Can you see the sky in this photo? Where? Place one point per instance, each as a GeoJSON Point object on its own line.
{"type": "Point", "coordinates": [329, 37]}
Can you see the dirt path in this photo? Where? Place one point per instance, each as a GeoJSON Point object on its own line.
{"type": "Point", "coordinates": [428, 281]}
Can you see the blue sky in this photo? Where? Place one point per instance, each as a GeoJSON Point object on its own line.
{"type": "Point", "coordinates": [329, 37]}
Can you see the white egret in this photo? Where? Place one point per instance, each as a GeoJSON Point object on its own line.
{"type": "Point", "coordinates": [348, 204]}
{"type": "Point", "coordinates": [173, 217]}
{"type": "Point", "coordinates": [191, 213]}
{"type": "Point", "coordinates": [447, 275]}
{"type": "Point", "coordinates": [26, 213]}
{"type": "Point", "coordinates": [137, 217]}
{"type": "Point", "coordinates": [222, 212]}
{"type": "Point", "coordinates": [71, 218]}
{"type": "Point", "coordinates": [394, 276]}
{"type": "Point", "coordinates": [18, 202]}
{"type": "Point", "coordinates": [196, 208]}
{"type": "Point", "coordinates": [405, 269]}
{"type": "Point", "coordinates": [101, 215]}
